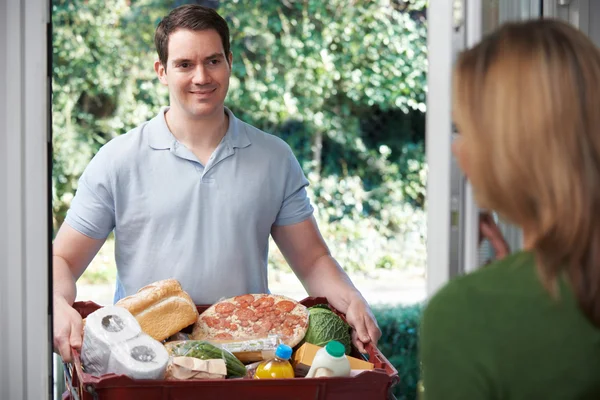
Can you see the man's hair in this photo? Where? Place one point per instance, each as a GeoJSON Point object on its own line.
{"type": "Point", "coordinates": [193, 17]}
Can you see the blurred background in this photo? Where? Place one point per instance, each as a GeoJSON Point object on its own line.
{"type": "Point", "coordinates": [343, 82]}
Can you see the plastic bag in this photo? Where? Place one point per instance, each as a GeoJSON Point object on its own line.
{"type": "Point", "coordinates": [252, 350]}
{"type": "Point", "coordinates": [113, 342]}
{"type": "Point", "coordinates": [203, 350]}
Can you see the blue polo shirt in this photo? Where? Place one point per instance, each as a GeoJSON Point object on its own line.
{"type": "Point", "coordinates": [207, 226]}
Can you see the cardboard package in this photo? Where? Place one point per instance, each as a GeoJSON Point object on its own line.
{"type": "Point", "coordinates": [183, 368]}
{"type": "Point", "coordinates": [304, 356]}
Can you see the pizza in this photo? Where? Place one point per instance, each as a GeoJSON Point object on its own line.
{"type": "Point", "coordinates": [253, 316]}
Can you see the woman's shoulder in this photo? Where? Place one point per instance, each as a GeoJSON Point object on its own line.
{"type": "Point", "coordinates": [515, 274]}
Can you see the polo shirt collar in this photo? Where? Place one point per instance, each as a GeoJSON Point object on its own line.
{"type": "Point", "coordinates": [161, 138]}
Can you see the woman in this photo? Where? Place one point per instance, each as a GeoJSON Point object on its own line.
{"type": "Point", "coordinates": [527, 104]}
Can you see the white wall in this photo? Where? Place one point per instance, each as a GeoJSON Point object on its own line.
{"type": "Point", "coordinates": [25, 371]}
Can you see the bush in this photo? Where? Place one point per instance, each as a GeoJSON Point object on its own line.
{"type": "Point", "coordinates": [399, 343]}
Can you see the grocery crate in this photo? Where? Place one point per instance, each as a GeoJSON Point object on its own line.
{"type": "Point", "coordinates": [368, 385]}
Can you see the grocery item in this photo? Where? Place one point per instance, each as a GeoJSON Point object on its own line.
{"type": "Point", "coordinates": [278, 367]}
{"type": "Point", "coordinates": [324, 326]}
{"type": "Point", "coordinates": [139, 358]}
{"type": "Point", "coordinates": [113, 342]}
{"type": "Point", "coordinates": [372, 385]}
{"type": "Point", "coordinates": [105, 328]}
{"type": "Point", "coordinates": [253, 316]}
{"type": "Point", "coordinates": [184, 368]}
{"type": "Point", "coordinates": [207, 351]}
{"type": "Point", "coordinates": [330, 361]}
{"type": "Point", "coordinates": [162, 308]}
{"type": "Point", "coordinates": [303, 358]}
{"type": "Point", "coordinates": [252, 350]}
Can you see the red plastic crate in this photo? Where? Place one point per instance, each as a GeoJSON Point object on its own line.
{"type": "Point", "coordinates": [369, 385]}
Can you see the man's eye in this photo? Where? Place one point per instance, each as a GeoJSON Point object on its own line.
{"type": "Point", "coordinates": [184, 65]}
{"type": "Point", "coordinates": [214, 61]}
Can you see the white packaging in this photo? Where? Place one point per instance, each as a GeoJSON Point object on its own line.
{"type": "Point", "coordinates": [330, 361]}
{"type": "Point", "coordinates": [139, 358]}
{"type": "Point", "coordinates": [105, 328]}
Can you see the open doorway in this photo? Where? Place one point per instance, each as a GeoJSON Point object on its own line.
{"type": "Point", "coordinates": [343, 86]}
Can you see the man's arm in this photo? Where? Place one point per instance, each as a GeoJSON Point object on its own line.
{"type": "Point", "coordinates": [306, 252]}
{"type": "Point", "coordinates": [72, 253]}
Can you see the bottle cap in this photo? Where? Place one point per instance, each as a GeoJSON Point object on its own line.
{"type": "Point", "coordinates": [335, 349]}
{"type": "Point", "coordinates": [283, 351]}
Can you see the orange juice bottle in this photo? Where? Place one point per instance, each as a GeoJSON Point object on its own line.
{"type": "Point", "coordinates": [278, 367]}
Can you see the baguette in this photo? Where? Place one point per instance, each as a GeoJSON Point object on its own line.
{"type": "Point", "coordinates": [161, 308]}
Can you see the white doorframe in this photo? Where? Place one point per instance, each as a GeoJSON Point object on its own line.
{"type": "Point", "coordinates": [576, 12]}
{"type": "Point", "coordinates": [470, 242]}
{"type": "Point", "coordinates": [452, 215]}
{"type": "Point", "coordinates": [25, 370]}
{"type": "Point", "coordinates": [438, 139]}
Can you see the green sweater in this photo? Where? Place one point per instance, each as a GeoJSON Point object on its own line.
{"type": "Point", "coordinates": [497, 334]}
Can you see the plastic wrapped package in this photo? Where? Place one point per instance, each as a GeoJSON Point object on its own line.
{"type": "Point", "coordinates": [252, 350]}
{"type": "Point", "coordinates": [178, 337]}
{"type": "Point", "coordinates": [113, 342]}
{"type": "Point", "coordinates": [185, 368]}
{"type": "Point", "coordinates": [203, 350]}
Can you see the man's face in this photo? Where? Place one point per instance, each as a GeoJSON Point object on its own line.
{"type": "Point", "coordinates": [197, 73]}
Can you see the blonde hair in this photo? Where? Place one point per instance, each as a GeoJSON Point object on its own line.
{"type": "Point", "coordinates": [527, 100]}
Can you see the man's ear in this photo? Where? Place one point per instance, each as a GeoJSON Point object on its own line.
{"type": "Point", "coordinates": [230, 59]}
{"type": "Point", "coordinates": [161, 72]}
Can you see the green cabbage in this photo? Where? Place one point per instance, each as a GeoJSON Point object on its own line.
{"type": "Point", "coordinates": [324, 326]}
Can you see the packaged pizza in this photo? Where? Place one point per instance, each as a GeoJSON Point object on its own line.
{"type": "Point", "coordinates": [251, 317]}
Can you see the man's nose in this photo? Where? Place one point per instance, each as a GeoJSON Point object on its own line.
{"type": "Point", "coordinates": [201, 75]}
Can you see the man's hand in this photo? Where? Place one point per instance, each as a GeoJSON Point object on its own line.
{"type": "Point", "coordinates": [68, 328]}
{"type": "Point", "coordinates": [490, 231]}
{"type": "Point", "coordinates": [364, 325]}
{"type": "Point", "coordinates": [308, 255]}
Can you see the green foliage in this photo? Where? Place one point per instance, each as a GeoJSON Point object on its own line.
{"type": "Point", "coordinates": [324, 75]}
{"type": "Point", "coordinates": [399, 343]}
{"type": "Point", "coordinates": [343, 83]}
{"type": "Point", "coordinates": [103, 81]}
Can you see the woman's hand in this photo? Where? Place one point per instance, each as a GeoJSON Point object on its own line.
{"type": "Point", "coordinates": [490, 231]}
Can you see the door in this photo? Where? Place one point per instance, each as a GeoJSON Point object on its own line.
{"type": "Point", "coordinates": [25, 370]}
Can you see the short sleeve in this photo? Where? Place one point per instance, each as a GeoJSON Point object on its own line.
{"type": "Point", "coordinates": [92, 210]}
{"type": "Point", "coordinates": [455, 355]}
{"type": "Point", "coordinates": [296, 205]}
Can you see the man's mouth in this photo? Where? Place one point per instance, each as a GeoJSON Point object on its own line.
{"type": "Point", "coordinates": [203, 91]}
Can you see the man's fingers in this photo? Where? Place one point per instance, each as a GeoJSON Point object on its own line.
{"type": "Point", "coordinates": [358, 343]}
{"type": "Point", "coordinates": [361, 335]}
{"type": "Point", "coordinates": [64, 349]}
{"type": "Point", "coordinates": [361, 331]}
{"type": "Point", "coordinates": [75, 339]}
{"type": "Point", "coordinates": [76, 333]}
{"type": "Point", "coordinates": [374, 331]}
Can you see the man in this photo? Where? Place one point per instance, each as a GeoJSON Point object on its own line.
{"type": "Point", "coordinates": [194, 194]}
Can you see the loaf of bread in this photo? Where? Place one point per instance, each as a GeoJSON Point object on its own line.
{"type": "Point", "coordinates": [161, 308]}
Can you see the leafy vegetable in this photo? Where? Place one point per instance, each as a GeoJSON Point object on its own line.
{"type": "Point", "coordinates": [324, 326]}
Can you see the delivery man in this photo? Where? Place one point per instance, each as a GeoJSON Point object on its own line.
{"type": "Point", "coordinates": [194, 193]}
